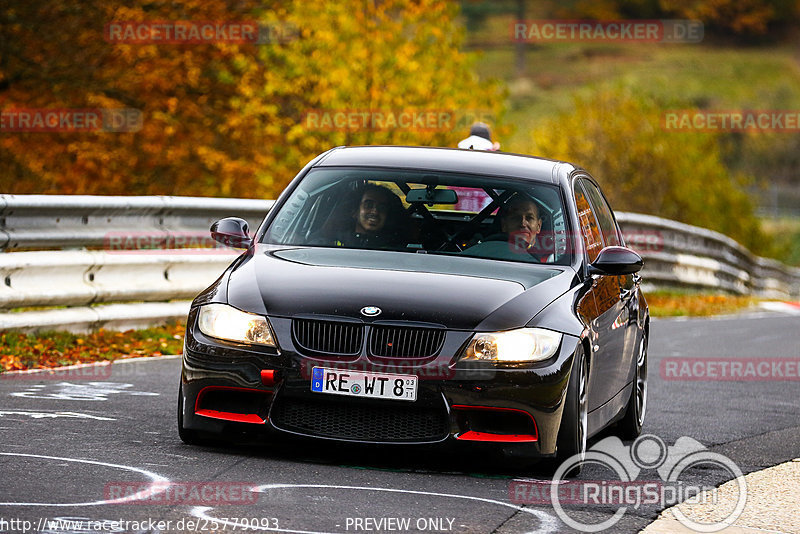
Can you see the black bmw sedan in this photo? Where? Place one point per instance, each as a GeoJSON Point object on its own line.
{"type": "Point", "coordinates": [407, 295]}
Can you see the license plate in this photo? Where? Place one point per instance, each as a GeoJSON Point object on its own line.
{"type": "Point", "coordinates": [361, 384]}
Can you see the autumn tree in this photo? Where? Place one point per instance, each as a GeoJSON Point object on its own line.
{"type": "Point", "coordinates": [55, 56]}
{"type": "Point", "coordinates": [366, 56]}
{"type": "Point", "coordinates": [618, 137]}
{"type": "Point", "coordinates": [223, 118]}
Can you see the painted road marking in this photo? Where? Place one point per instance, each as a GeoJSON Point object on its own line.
{"type": "Point", "coordinates": [87, 391]}
{"type": "Point", "coordinates": [549, 523]}
{"type": "Point", "coordinates": [157, 484]}
{"type": "Point", "coordinates": [53, 415]}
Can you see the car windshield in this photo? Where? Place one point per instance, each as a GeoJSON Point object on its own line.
{"type": "Point", "coordinates": [425, 213]}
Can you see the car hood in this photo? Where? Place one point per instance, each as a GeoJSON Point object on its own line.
{"type": "Point", "coordinates": [454, 292]}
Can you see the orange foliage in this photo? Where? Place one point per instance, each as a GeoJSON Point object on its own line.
{"type": "Point", "coordinates": [220, 119]}
{"type": "Point", "coordinates": [665, 304]}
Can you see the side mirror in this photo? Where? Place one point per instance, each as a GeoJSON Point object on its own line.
{"type": "Point", "coordinates": [616, 261]}
{"type": "Point", "coordinates": [232, 232]}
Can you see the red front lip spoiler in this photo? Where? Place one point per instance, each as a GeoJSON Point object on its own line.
{"type": "Point", "coordinates": [234, 417]}
{"type": "Point", "coordinates": [231, 416]}
{"type": "Point", "coordinates": [472, 435]}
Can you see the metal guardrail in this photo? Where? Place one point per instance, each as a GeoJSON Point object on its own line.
{"type": "Point", "coordinates": [678, 254]}
{"type": "Point", "coordinates": [99, 286]}
{"type": "Point", "coordinates": [81, 278]}
{"type": "Point", "coordinates": [63, 221]}
{"type": "Point", "coordinates": [88, 280]}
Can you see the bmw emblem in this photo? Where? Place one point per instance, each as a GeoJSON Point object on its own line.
{"type": "Point", "coordinates": [370, 311]}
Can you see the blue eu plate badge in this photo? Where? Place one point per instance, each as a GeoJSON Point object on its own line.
{"type": "Point", "coordinates": [316, 378]}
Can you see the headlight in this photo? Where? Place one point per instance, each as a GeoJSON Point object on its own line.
{"type": "Point", "coordinates": [226, 322]}
{"type": "Point", "coordinates": [521, 345]}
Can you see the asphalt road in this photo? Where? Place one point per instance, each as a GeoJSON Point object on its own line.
{"type": "Point", "coordinates": [70, 445]}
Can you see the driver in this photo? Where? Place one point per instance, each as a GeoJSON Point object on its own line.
{"type": "Point", "coordinates": [377, 220]}
{"type": "Point", "coordinates": [520, 222]}
{"type": "Point", "coordinates": [520, 225]}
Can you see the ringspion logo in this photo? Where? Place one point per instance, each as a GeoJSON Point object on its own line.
{"type": "Point", "coordinates": [627, 463]}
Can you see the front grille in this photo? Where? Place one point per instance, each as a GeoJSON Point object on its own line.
{"type": "Point", "coordinates": [397, 342]}
{"type": "Point", "coordinates": [328, 337]}
{"type": "Point", "coordinates": [359, 422]}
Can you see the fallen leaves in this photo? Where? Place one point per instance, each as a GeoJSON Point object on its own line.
{"type": "Point", "coordinates": [53, 349]}
{"type": "Point", "coordinates": [670, 304]}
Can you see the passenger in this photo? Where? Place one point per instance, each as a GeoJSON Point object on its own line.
{"type": "Point", "coordinates": [378, 220]}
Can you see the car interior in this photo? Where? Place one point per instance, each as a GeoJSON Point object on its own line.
{"type": "Point", "coordinates": [441, 214]}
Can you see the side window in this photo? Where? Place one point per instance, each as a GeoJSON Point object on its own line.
{"type": "Point", "coordinates": [590, 230]}
{"type": "Point", "coordinates": [603, 213]}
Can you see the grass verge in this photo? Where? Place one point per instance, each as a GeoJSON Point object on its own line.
{"type": "Point", "coordinates": [666, 303]}
{"type": "Point", "coordinates": [53, 349]}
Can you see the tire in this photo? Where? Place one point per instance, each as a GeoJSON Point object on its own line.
{"type": "Point", "coordinates": [188, 436]}
{"type": "Point", "coordinates": [574, 420]}
{"type": "Point", "coordinates": [630, 427]}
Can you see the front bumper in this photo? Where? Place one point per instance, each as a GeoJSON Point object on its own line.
{"type": "Point", "coordinates": [229, 388]}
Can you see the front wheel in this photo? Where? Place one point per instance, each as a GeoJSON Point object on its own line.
{"type": "Point", "coordinates": [574, 420]}
{"type": "Point", "coordinates": [630, 426]}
